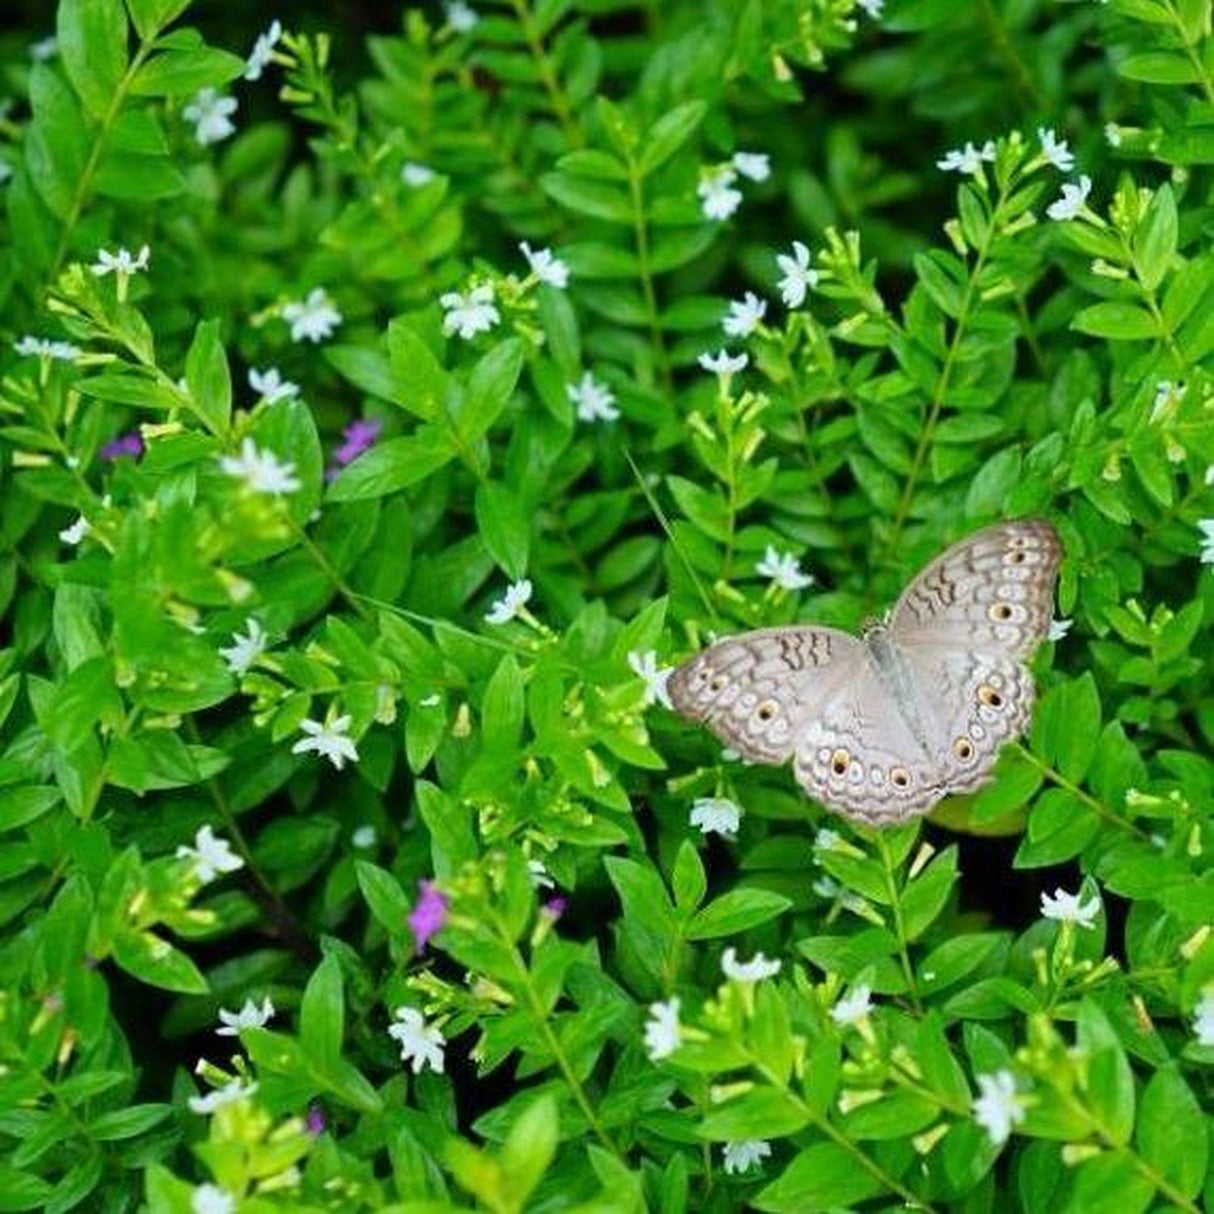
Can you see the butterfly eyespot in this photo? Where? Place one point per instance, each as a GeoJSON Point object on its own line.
{"type": "Point", "coordinates": [839, 761]}
{"type": "Point", "coordinates": [716, 682]}
{"type": "Point", "coordinates": [1001, 611]}
{"type": "Point", "coordinates": [963, 748]}
{"type": "Point", "coordinates": [989, 696]}
{"type": "Point", "coordinates": [1015, 558]}
{"type": "Point", "coordinates": [767, 710]}
{"type": "Point", "coordinates": [900, 777]}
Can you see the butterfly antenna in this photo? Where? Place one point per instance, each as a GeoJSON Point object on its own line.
{"type": "Point", "coordinates": [664, 522]}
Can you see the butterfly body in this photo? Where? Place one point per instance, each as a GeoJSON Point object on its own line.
{"type": "Point", "coordinates": [880, 727]}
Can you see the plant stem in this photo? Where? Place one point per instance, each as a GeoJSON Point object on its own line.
{"type": "Point", "coordinates": [895, 899]}
{"type": "Point", "coordinates": [636, 191]}
{"type": "Point", "coordinates": [557, 100]}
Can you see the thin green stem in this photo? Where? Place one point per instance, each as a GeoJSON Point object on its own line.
{"type": "Point", "coordinates": [1195, 60]}
{"type": "Point", "coordinates": [636, 191]}
{"type": "Point", "coordinates": [993, 21]}
{"type": "Point", "coordinates": [326, 566]}
{"type": "Point", "coordinates": [557, 100]}
{"type": "Point", "coordinates": [895, 900]}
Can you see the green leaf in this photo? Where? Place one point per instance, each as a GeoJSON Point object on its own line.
{"type": "Point", "coordinates": [1110, 1083]}
{"type": "Point", "coordinates": [688, 880]}
{"type": "Point", "coordinates": [208, 377]}
{"type": "Point", "coordinates": [503, 706]}
{"type": "Point", "coordinates": [1066, 727]}
{"type": "Point", "coordinates": [1154, 241]}
{"type": "Point", "coordinates": [384, 896]}
{"type": "Point", "coordinates": [322, 1015]}
{"type": "Point", "coordinates": [588, 197]}
{"type": "Point", "coordinates": [735, 912]}
{"type": "Point", "coordinates": [490, 387]}
{"type": "Point", "coordinates": [822, 1177]}
{"type": "Point", "coordinates": [131, 389]}
{"type": "Point", "coordinates": [92, 37]}
{"type": "Point", "coordinates": [1117, 322]}
{"type": "Point", "coordinates": [669, 134]}
{"type": "Point", "coordinates": [151, 16]}
{"type": "Point", "coordinates": [1171, 1132]}
{"type": "Point", "coordinates": [422, 385]}
{"type": "Point", "coordinates": [1159, 67]}
{"type": "Point", "coordinates": [128, 1122]}
{"type": "Point", "coordinates": [392, 465]}
{"type": "Point", "coordinates": [1109, 1182]}
{"type": "Point", "coordinates": [176, 73]}
{"type": "Point", "coordinates": [763, 1112]}
{"type": "Point", "coordinates": [925, 897]}
{"type": "Point", "coordinates": [530, 1147]}
{"type": "Point", "coordinates": [20, 806]}
{"type": "Point", "coordinates": [155, 961]}
{"type": "Point", "coordinates": [504, 526]}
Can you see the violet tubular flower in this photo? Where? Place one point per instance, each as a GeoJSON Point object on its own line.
{"type": "Point", "coordinates": [428, 915]}
{"type": "Point", "coordinates": [124, 444]}
{"type": "Point", "coordinates": [359, 436]}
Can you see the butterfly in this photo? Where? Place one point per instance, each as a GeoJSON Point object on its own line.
{"type": "Point", "coordinates": [881, 727]}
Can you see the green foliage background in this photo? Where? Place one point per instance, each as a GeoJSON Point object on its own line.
{"type": "Point", "coordinates": [962, 358]}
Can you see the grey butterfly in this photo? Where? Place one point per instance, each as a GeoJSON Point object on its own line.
{"type": "Point", "coordinates": [882, 727]}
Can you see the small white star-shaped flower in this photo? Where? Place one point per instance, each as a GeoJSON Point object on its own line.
{"type": "Point", "coordinates": [545, 266]}
{"type": "Point", "coordinates": [1068, 908]}
{"type": "Point", "coordinates": [260, 470]}
{"type": "Point", "coordinates": [211, 855]}
{"type": "Point", "coordinates": [245, 650]}
{"type": "Point", "coordinates": [122, 262]}
{"type": "Point", "coordinates": [1055, 150]}
{"type": "Point", "coordinates": [1167, 396]}
{"type": "Point", "coordinates": [1074, 199]}
{"type": "Point", "coordinates": [211, 115]}
{"type": "Point", "coordinates": [539, 875]}
{"type": "Point", "coordinates": [43, 347]}
{"type": "Point", "coordinates": [330, 740]}
{"type": "Point", "coordinates": [716, 815]}
{"type": "Point", "coordinates": [1058, 629]}
{"type": "Point", "coordinates": [211, 1199]}
{"type": "Point", "coordinates": [783, 569]}
{"type": "Point", "coordinates": [312, 318]}
{"type": "Point", "coordinates": [723, 363]}
{"type": "Point", "coordinates": [967, 159]}
{"type": "Point", "coordinates": [271, 386]}
{"type": "Point", "coordinates": [826, 839]}
{"type": "Point", "coordinates": [461, 17]}
{"type": "Point", "coordinates": [421, 1044]}
{"type": "Point", "coordinates": [744, 1155]}
{"type": "Point", "coordinates": [415, 175]}
{"type": "Point", "coordinates": [854, 1007]}
{"type": "Point", "coordinates": [1203, 1017]}
{"type": "Point", "coordinates": [470, 313]}
{"type": "Point", "coordinates": [594, 401]}
{"type": "Point", "coordinates": [263, 51]}
{"type": "Point", "coordinates": [754, 970]}
{"type": "Point", "coordinates": [44, 49]}
{"type": "Point", "coordinates": [645, 667]}
{"type": "Point", "coordinates": [505, 609]}
{"type": "Point", "coordinates": [744, 315]}
{"type": "Point", "coordinates": [249, 1017]}
{"type": "Point", "coordinates": [76, 532]}
{"type": "Point", "coordinates": [997, 1109]}
{"type": "Point", "coordinates": [873, 8]}
{"type": "Point", "coordinates": [755, 165]}
{"type": "Point", "coordinates": [718, 198]}
{"type": "Point", "coordinates": [798, 276]}
{"type": "Point", "coordinates": [230, 1093]}
{"type": "Point", "coordinates": [1206, 553]}
{"type": "Point", "coordinates": [662, 1029]}
{"type": "Point", "coordinates": [1112, 134]}
{"type": "Point", "coordinates": [364, 837]}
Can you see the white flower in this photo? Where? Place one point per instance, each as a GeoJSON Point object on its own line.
{"type": "Point", "coordinates": [744, 315]}
{"type": "Point", "coordinates": [1067, 908]}
{"type": "Point", "coordinates": [1112, 134]}
{"type": "Point", "coordinates": [998, 1108]}
{"type": "Point", "coordinates": [798, 277]}
{"type": "Point", "coordinates": [461, 17]}
{"type": "Point", "coordinates": [249, 1017]}
{"type": "Point", "coordinates": [1210, 475]}
{"type": "Point", "coordinates": [854, 1007]}
{"type": "Point", "coordinates": [967, 159]}
{"type": "Point", "coordinates": [211, 855]}
{"type": "Point", "coordinates": [1073, 199]}
{"type": "Point", "coordinates": [744, 1155]}
{"type": "Point", "coordinates": [420, 1043]}
{"type": "Point", "coordinates": [662, 1029]}
{"type": "Point", "coordinates": [594, 401]}
{"type": "Point", "coordinates": [469, 314]}
{"type": "Point", "coordinates": [76, 532]}
{"type": "Point", "coordinates": [245, 650]}
{"type": "Point", "coordinates": [1167, 394]}
{"type": "Point", "coordinates": [1203, 1017]}
{"type": "Point", "coordinates": [546, 267]}
{"type": "Point", "coordinates": [827, 840]}
{"type": "Point", "coordinates": [211, 115]}
{"type": "Point", "coordinates": [645, 667]}
{"type": "Point", "coordinates": [723, 363]}
{"type": "Point", "coordinates": [1058, 629]}
{"type": "Point", "coordinates": [364, 837]}
{"type": "Point", "coordinates": [755, 165]}
{"type": "Point", "coordinates": [312, 318]}
{"type": "Point", "coordinates": [873, 8]}
{"type": "Point", "coordinates": [718, 198]}
{"type": "Point", "coordinates": [1206, 527]}
{"type": "Point", "coordinates": [263, 51]}
{"type": "Point", "coordinates": [329, 740]}
{"type": "Point", "coordinates": [1055, 150]}
{"type": "Point", "coordinates": [43, 347]}
{"type": "Point", "coordinates": [211, 1199]}
{"type": "Point", "coordinates": [415, 175]}
{"type": "Point", "coordinates": [260, 470]}
{"type": "Point", "coordinates": [540, 878]}
{"type": "Point", "coordinates": [827, 887]}
{"type": "Point", "coordinates": [757, 968]}
{"type": "Point", "coordinates": [44, 49]}
{"type": "Point", "coordinates": [121, 262]}
{"type": "Point", "coordinates": [517, 596]}
{"type": "Point", "coordinates": [271, 386]}
{"type": "Point", "coordinates": [431, 701]}
{"type": "Point", "coordinates": [784, 570]}
{"type": "Point", "coordinates": [228, 1094]}
{"type": "Point", "coordinates": [717, 815]}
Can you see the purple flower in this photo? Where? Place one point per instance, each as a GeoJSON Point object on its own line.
{"type": "Point", "coordinates": [360, 436]}
{"type": "Point", "coordinates": [124, 444]}
{"type": "Point", "coordinates": [428, 915]}
{"type": "Point", "coordinates": [555, 907]}
{"type": "Point", "coordinates": [315, 1120]}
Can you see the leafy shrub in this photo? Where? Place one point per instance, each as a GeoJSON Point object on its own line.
{"type": "Point", "coordinates": [360, 488]}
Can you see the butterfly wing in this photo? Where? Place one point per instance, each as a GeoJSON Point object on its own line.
{"type": "Point", "coordinates": [759, 690]}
